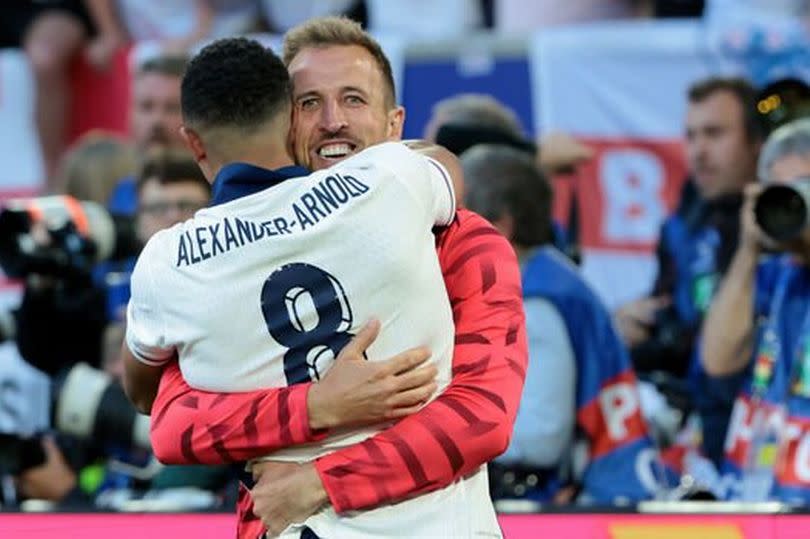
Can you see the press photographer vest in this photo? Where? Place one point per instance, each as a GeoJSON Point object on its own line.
{"type": "Point", "coordinates": [776, 395]}
{"type": "Point", "coordinates": [623, 463]}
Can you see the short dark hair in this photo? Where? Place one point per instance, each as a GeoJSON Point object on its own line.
{"type": "Point", "coordinates": [234, 83]}
{"type": "Point", "coordinates": [501, 180]}
{"type": "Point", "coordinates": [169, 166]}
{"type": "Point", "coordinates": [334, 31]}
{"type": "Point", "coordinates": [171, 65]}
{"type": "Point", "coordinates": [745, 93]}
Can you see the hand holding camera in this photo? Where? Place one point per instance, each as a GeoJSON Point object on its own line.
{"type": "Point", "coordinates": [775, 216]}
{"type": "Point", "coordinates": [781, 209]}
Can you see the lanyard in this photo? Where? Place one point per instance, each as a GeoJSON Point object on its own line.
{"type": "Point", "coordinates": [799, 381]}
{"type": "Point", "coordinates": [769, 348]}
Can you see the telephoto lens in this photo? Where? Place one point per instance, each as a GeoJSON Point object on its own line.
{"type": "Point", "coordinates": [782, 211]}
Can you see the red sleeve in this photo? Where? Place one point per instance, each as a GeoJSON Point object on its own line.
{"type": "Point", "coordinates": [471, 422]}
{"type": "Point", "coordinates": [191, 426]}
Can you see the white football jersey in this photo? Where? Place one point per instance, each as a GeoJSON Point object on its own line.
{"type": "Point", "coordinates": [263, 291]}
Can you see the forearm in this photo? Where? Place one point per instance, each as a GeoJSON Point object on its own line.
{"type": "Point", "coordinates": [466, 426]}
{"type": "Point", "coordinates": [104, 16]}
{"type": "Point", "coordinates": [191, 426]}
{"type": "Point", "coordinates": [140, 380]}
{"type": "Point", "coordinates": [729, 325]}
{"type": "Point", "coordinates": [471, 422]}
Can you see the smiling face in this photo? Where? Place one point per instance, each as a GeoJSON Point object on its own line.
{"type": "Point", "coordinates": [341, 105]}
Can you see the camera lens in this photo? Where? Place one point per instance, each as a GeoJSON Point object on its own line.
{"type": "Point", "coordinates": [781, 211]}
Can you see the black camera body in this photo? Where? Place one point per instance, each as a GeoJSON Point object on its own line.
{"type": "Point", "coordinates": [782, 210]}
{"type": "Point", "coordinates": [18, 454]}
{"type": "Point", "coordinates": [61, 237]}
{"type": "Point", "coordinates": [668, 348]}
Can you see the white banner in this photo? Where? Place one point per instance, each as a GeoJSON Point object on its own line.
{"type": "Point", "coordinates": [622, 88]}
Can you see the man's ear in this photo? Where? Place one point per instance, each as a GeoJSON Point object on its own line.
{"type": "Point", "coordinates": [396, 119]}
{"type": "Point", "coordinates": [194, 143]}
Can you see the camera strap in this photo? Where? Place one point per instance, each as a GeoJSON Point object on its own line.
{"type": "Point", "coordinates": [799, 381]}
{"type": "Point", "coordinates": [769, 349]}
{"type": "Point", "coordinates": [760, 459]}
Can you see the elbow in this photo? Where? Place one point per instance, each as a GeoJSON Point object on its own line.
{"type": "Point", "coordinates": [165, 444]}
{"type": "Point", "coordinates": [498, 439]}
{"type": "Point", "coordinates": [139, 399]}
{"type": "Point", "coordinates": [164, 453]}
{"type": "Point", "coordinates": [144, 406]}
{"type": "Point", "coordinates": [716, 362]}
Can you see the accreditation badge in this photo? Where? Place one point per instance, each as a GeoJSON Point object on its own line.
{"type": "Point", "coordinates": [763, 367]}
{"type": "Point", "coordinates": [800, 381]}
{"type": "Point", "coordinates": [703, 289]}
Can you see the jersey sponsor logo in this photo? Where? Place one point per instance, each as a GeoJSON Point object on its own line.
{"type": "Point", "coordinates": [613, 417]}
{"type": "Point", "coordinates": [317, 203]}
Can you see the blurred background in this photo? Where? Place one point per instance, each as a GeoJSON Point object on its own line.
{"type": "Point", "coordinates": [619, 103]}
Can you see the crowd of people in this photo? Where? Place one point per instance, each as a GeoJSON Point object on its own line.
{"type": "Point", "coordinates": [493, 368]}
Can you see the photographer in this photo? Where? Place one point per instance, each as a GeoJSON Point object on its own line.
{"type": "Point", "coordinates": [759, 325]}
{"type": "Point", "coordinates": [69, 327]}
{"type": "Point", "coordinates": [723, 137]}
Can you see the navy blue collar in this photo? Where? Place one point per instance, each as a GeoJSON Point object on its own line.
{"type": "Point", "coordinates": [237, 180]}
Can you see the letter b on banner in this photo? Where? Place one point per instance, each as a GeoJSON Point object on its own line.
{"type": "Point", "coordinates": [632, 185]}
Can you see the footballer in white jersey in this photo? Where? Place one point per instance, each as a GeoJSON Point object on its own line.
{"type": "Point", "coordinates": [264, 290]}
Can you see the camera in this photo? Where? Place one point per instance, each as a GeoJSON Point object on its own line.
{"type": "Point", "coordinates": [90, 405]}
{"type": "Point", "coordinates": [60, 236]}
{"type": "Point", "coordinates": [783, 101]}
{"type": "Point", "coordinates": [668, 347]}
{"type": "Point", "coordinates": [18, 454]}
{"type": "Point", "coordinates": [782, 211]}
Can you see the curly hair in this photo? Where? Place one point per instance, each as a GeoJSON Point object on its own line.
{"type": "Point", "coordinates": [234, 83]}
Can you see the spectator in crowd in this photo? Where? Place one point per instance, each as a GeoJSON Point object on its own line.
{"type": "Point", "coordinates": [342, 78]}
{"type": "Point", "coordinates": [513, 16]}
{"type": "Point", "coordinates": [176, 26]}
{"type": "Point", "coordinates": [579, 378]}
{"type": "Point", "coordinates": [464, 120]}
{"type": "Point", "coordinates": [92, 167]}
{"type": "Point", "coordinates": [461, 121]}
{"type": "Point", "coordinates": [282, 15]}
{"type": "Point", "coordinates": [758, 326]}
{"type": "Point", "coordinates": [154, 119]}
{"type": "Point", "coordinates": [52, 34]}
{"type": "Point", "coordinates": [170, 189]}
{"type": "Point", "coordinates": [479, 110]}
{"type": "Point", "coordinates": [723, 136]}
{"type": "Point", "coordinates": [425, 19]}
